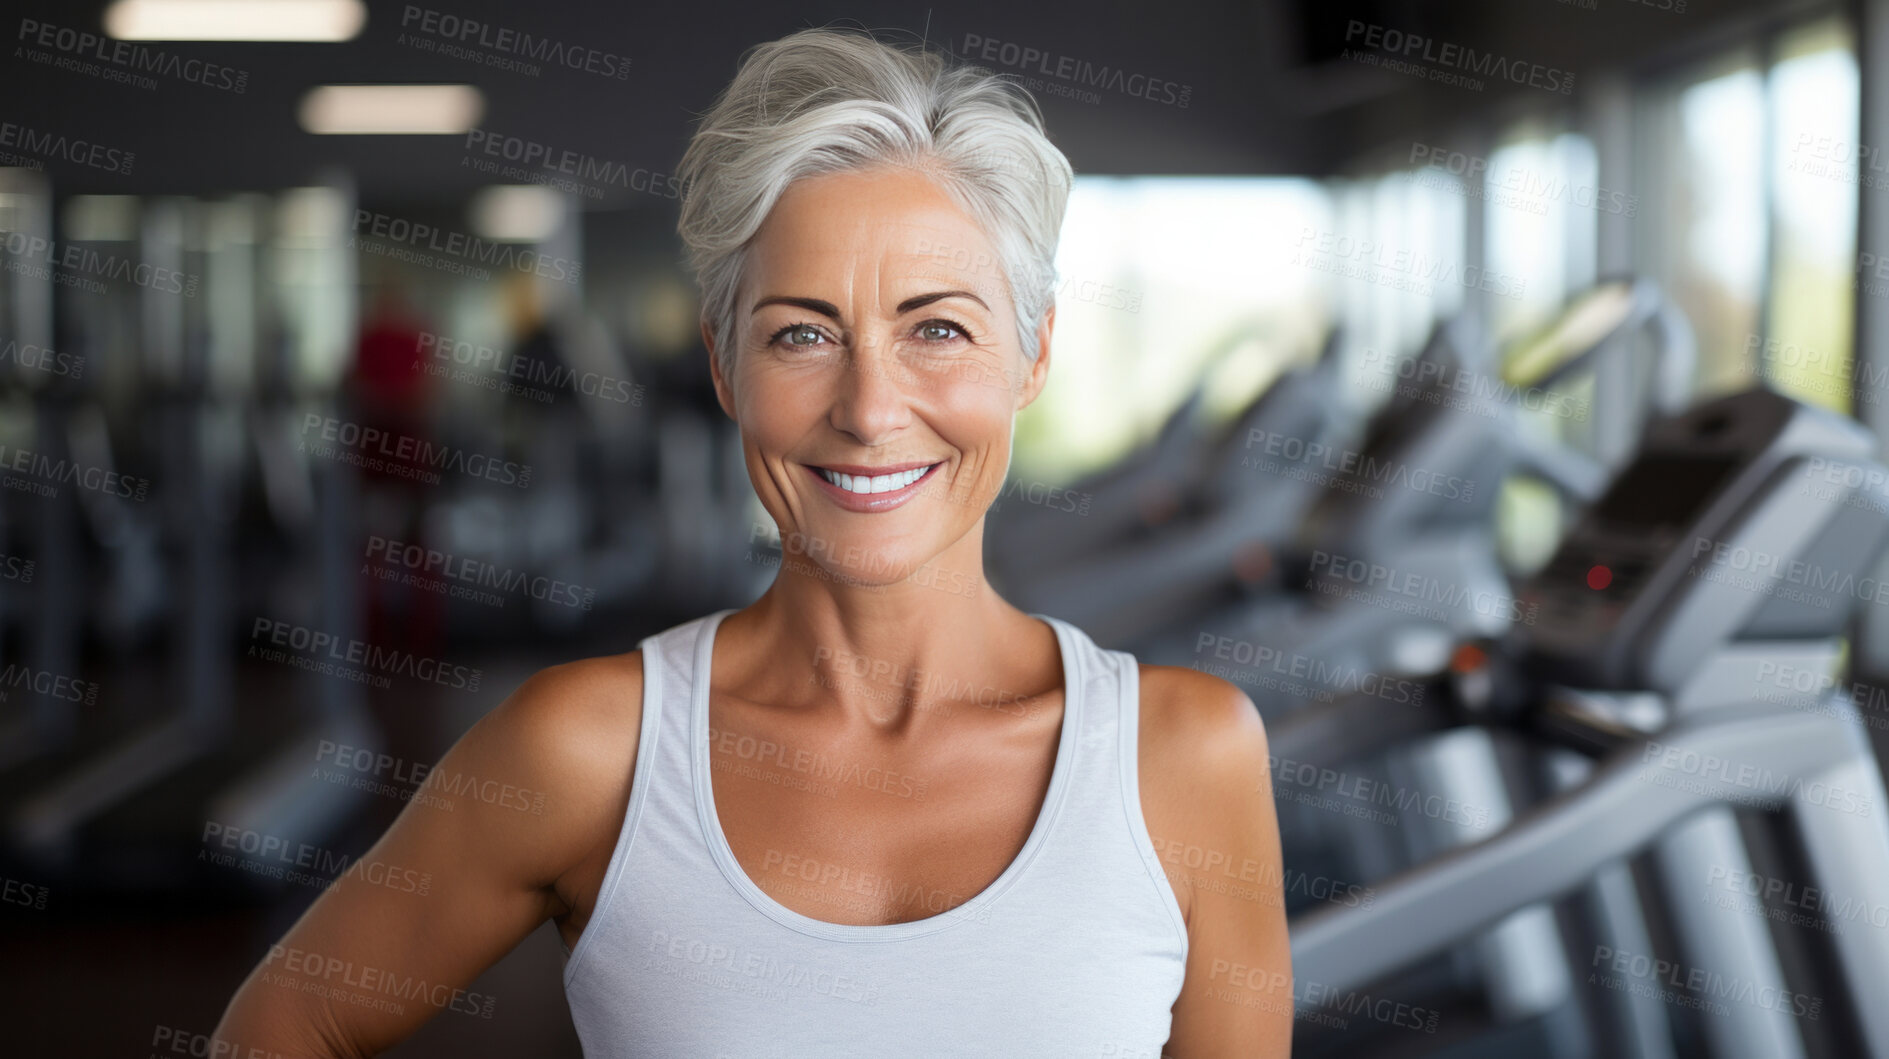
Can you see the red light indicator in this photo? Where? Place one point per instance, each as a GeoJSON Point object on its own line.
{"type": "Point", "coordinates": [1467, 658]}
{"type": "Point", "coordinates": [1599, 577]}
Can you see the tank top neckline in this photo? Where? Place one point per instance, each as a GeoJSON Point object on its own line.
{"type": "Point", "coordinates": [973, 908]}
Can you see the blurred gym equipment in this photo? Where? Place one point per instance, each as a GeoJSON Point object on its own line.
{"type": "Point", "coordinates": [1180, 525]}
{"type": "Point", "coordinates": [136, 794]}
{"type": "Point", "coordinates": [1418, 496]}
{"type": "Point", "coordinates": [1728, 552]}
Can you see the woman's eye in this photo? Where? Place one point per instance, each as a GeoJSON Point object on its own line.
{"type": "Point", "coordinates": [940, 331]}
{"type": "Point", "coordinates": [799, 335]}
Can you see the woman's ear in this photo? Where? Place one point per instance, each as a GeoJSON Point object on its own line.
{"type": "Point", "coordinates": [1039, 368]}
{"type": "Point", "coordinates": [724, 394]}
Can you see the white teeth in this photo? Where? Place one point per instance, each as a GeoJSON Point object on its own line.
{"type": "Point", "coordinates": [880, 483]}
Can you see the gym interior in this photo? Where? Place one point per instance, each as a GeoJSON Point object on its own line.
{"type": "Point", "coordinates": [1490, 390]}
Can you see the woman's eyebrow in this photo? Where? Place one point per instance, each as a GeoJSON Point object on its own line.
{"type": "Point", "coordinates": [831, 311]}
{"type": "Point", "coordinates": [826, 309]}
{"type": "Point", "coordinates": [922, 300]}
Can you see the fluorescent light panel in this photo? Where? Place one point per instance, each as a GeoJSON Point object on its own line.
{"type": "Point", "coordinates": [244, 20]}
{"type": "Point", "coordinates": [391, 109]}
{"type": "Point", "coordinates": [517, 213]}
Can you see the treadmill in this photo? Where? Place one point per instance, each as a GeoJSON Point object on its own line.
{"type": "Point", "coordinates": [1418, 498]}
{"type": "Point", "coordinates": [1176, 529]}
{"type": "Point", "coordinates": [1680, 694]}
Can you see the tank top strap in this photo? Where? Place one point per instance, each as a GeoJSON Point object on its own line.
{"type": "Point", "coordinates": [1104, 826]}
{"type": "Point", "coordinates": [1092, 703]}
{"type": "Point", "coordinates": [660, 785]}
{"type": "Point", "coordinates": [672, 660]}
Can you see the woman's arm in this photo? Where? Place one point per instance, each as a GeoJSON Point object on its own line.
{"type": "Point", "coordinates": [533, 788]}
{"type": "Point", "coordinates": [1205, 772]}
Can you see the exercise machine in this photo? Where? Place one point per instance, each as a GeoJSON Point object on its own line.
{"type": "Point", "coordinates": [1181, 527]}
{"type": "Point", "coordinates": [1682, 670]}
{"type": "Point", "coordinates": [1415, 502]}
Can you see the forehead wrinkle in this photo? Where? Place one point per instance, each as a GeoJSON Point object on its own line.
{"type": "Point", "coordinates": [841, 255]}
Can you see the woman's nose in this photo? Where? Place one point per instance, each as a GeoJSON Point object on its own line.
{"type": "Point", "coordinates": [871, 398]}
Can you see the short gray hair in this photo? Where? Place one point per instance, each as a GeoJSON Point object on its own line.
{"type": "Point", "coordinates": [828, 100]}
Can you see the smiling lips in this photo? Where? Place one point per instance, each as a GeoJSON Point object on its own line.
{"type": "Point", "coordinates": [858, 488]}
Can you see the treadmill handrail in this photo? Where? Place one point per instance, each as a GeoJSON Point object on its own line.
{"type": "Point", "coordinates": [1560, 844]}
{"type": "Point", "coordinates": [1650, 309]}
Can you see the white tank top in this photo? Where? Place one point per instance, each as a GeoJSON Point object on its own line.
{"type": "Point", "coordinates": [1077, 949]}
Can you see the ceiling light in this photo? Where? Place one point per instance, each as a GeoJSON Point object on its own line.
{"type": "Point", "coordinates": [247, 20]}
{"type": "Point", "coordinates": [517, 213]}
{"type": "Point", "coordinates": [388, 109]}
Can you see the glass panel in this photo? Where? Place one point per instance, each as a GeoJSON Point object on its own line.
{"type": "Point", "coordinates": [1807, 350]}
{"type": "Point", "coordinates": [1159, 278]}
{"type": "Point", "coordinates": [1709, 181]}
{"type": "Point", "coordinates": [1525, 217]}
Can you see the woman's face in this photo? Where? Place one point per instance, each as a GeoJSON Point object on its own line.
{"type": "Point", "coordinates": [876, 371]}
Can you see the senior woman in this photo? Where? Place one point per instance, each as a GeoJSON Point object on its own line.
{"type": "Point", "coordinates": [879, 811]}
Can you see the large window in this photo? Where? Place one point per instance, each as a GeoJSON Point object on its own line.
{"type": "Point", "coordinates": [1752, 161]}
{"type": "Point", "coordinates": [1704, 237]}
{"type": "Point", "coordinates": [1162, 280]}
{"type": "Point", "coordinates": [1807, 349]}
{"type": "Point", "coordinates": [1400, 237]}
{"type": "Point", "coordinates": [1541, 194]}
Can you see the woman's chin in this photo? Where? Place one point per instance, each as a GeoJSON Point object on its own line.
{"type": "Point", "coordinates": [861, 558]}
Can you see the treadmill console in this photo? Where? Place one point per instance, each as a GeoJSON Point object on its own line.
{"type": "Point", "coordinates": [1743, 519]}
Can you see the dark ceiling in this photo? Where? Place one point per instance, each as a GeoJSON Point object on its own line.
{"type": "Point", "coordinates": [1271, 90]}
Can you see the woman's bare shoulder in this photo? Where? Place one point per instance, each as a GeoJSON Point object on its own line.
{"type": "Point", "coordinates": [1207, 796]}
{"type": "Point", "coordinates": [1190, 718]}
{"type": "Point", "coordinates": [1203, 777]}
{"type": "Point", "coordinates": [575, 698]}
{"type": "Point", "coordinates": [567, 738]}
{"type": "Point", "coordinates": [577, 711]}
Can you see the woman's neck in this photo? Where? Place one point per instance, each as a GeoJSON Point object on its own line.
{"type": "Point", "coordinates": [888, 653]}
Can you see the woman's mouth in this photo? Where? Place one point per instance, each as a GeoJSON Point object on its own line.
{"type": "Point", "coordinates": [858, 488]}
